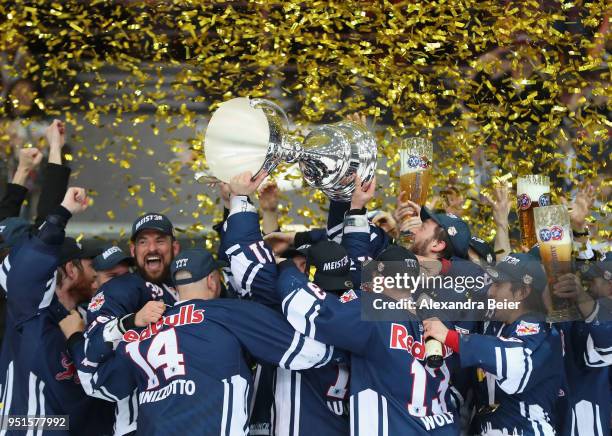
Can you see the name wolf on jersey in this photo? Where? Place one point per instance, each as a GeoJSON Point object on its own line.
{"type": "Point", "coordinates": [439, 420]}
{"type": "Point", "coordinates": [187, 315]}
{"type": "Point", "coordinates": [402, 340]}
{"type": "Point", "coordinates": [176, 387]}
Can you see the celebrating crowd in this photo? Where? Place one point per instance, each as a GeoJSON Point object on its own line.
{"type": "Point", "coordinates": [273, 334]}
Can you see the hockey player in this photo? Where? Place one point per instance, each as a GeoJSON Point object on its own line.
{"type": "Point", "coordinates": [587, 350]}
{"type": "Point", "coordinates": [48, 276]}
{"type": "Point", "coordinates": [518, 359]}
{"type": "Point", "coordinates": [190, 366]}
{"type": "Point", "coordinates": [303, 401]}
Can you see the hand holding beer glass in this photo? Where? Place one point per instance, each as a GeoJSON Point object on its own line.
{"type": "Point", "coordinates": [553, 231]}
{"type": "Point", "coordinates": [416, 157]}
{"type": "Point", "coordinates": [532, 191]}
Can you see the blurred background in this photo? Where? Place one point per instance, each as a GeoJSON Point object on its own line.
{"type": "Point", "coordinates": [502, 88]}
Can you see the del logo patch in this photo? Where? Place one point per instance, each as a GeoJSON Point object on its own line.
{"type": "Point", "coordinates": [96, 302]}
{"type": "Point", "coordinates": [527, 328]}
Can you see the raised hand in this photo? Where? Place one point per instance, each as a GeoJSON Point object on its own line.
{"type": "Point", "coordinates": [242, 184]}
{"type": "Point", "coordinates": [268, 196]}
{"type": "Point", "coordinates": [363, 193]}
{"type": "Point", "coordinates": [29, 159]}
{"type": "Point", "coordinates": [500, 204]}
{"type": "Point", "coordinates": [76, 200]}
{"type": "Point", "coordinates": [56, 134]}
{"type": "Point", "coordinates": [151, 312]}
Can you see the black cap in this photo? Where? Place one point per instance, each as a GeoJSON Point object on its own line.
{"type": "Point", "coordinates": [519, 268]}
{"type": "Point", "coordinates": [12, 230]}
{"type": "Point", "coordinates": [397, 259]}
{"type": "Point", "coordinates": [457, 230]}
{"type": "Point", "coordinates": [290, 253]}
{"type": "Point", "coordinates": [71, 250]}
{"type": "Point", "coordinates": [332, 266]}
{"type": "Point", "coordinates": [152, 221]}
{"type": "Point", "coordinates": [483, 249]}
{"type": "Point", "coordinates": [197, 261]}
{"type": "Point", "coordinates": [110, 257]}
{"type": "Point", "coordinates": [601, 268]}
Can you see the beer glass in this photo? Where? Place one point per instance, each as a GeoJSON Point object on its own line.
{"type": "Point", "coordinates": [416, 156]}
{"type": "Point", "coordinates": [553, 230]}
{"type": "Point", "coordinates": [532, 191]}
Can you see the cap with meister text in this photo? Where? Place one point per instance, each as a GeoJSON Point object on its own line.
{"type": "Point", "coordinates": [519, 268]}
{"type": "Point", "coordinates": [12, 230]}
{"type": "Point", "coordinates": [152, 221]}
{"type": "Point", "coordinates": [199, 263]}
{"type": "Point", "coordinates": [110, 257]}
{"type": "Point", "coordinates": [457, 230]}
{"type": "Point", "coordinates": [333, 266]}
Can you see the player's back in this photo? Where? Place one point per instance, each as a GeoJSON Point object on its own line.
{"type": "Point", "coordinates": [392, 388]}
{"type": "Point", "coordinates": [188, 366]}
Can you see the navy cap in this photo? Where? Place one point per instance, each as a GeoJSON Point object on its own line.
{"type": "Point", "coordinates": [12, 230]}
{"type": "Point", "coordinates": [333, 266]}
{"type": "Point", "coordinates": [110, 257]}
{"type": "Point", "coordinates": [71, 250]}
{"type": "Point", "coordinates": [196, 261]}
{"type": "Point", "coordinates": [483, 249]}
{"type": "Point", "coordinates": [601, 268]}
{"type": "Point", "coordinates": [290, 253]}
{"type": "Point", "coordinates": [457, 230]}
{"type": "Point", "coordinates": [519, 268]}
{"type": "Point", "coordinates": [152, 221]}
{"type": "Point", "coordinates": [397, 259]}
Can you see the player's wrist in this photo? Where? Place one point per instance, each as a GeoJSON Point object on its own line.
{"type": "Point", "coordinates": [452, 340]}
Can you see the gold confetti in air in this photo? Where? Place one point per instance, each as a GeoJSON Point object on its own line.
{"type": "Point", "coordinates": [497, 86]}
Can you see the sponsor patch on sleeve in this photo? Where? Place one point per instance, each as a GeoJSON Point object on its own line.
{"type": "Point", "coordinates": [527, 328]}
{"type": "Point", "coordinates": [96, 302]}
{"type": "Point", "coordinates": [348, 296]}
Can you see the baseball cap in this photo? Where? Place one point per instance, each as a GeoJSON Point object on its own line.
{"type": "Point", "coordinates": [519, 268]}
{"type": "Point", "coordinates": [457, 230]}
{"type": "Point", "coordinates": [196, 261]}
{"type": "Point", "coordinates": [110, 257]}
{"type": "Point", "coordinates": [152, 221]}
{"type": "Point", "coordinates": [601, 268]}
{"type": "Point", "coordinates": [12, 230]}
{"type": "Point", "coordinates": [71, 250]}
{"type": "Point", "coordinates": [483, 249]}
{"type": "Point", "coordinates": [332, 266]}
{"type": "Point", "coordinates": [397, 259]}
{"type": "Point", "coordinates": [290, 253]}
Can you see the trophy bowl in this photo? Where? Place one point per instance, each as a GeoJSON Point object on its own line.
{"type": "Point", "coordinates": [252, 135]}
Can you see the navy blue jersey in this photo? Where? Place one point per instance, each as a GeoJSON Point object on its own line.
{"type": "Point", "coordinates": [392, 391]}
{"type": "Point", "coordinates": [118, 297]}
{"type": "Point", "coordinates": [587, 357]}
{"type": "Point", "coordinates": [519, 374]}
{"type": "Point", "coordinates": [190, 367]}
{"type": "Point", "coordinates": [42, 378]}
{"type": "Point", "coordinates": [296, 402]}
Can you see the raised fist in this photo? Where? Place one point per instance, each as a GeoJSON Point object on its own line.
{"type": "Point", "coordinates": [56, 134]}
{"type": "Point", "coordinates": [150, 312]}
{"type": "Point", "coordinates": [29, 158]}
{"type": "Point", "coordinates": [75, 200]}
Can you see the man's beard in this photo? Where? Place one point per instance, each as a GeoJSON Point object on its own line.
{"type": "Point", "coordinates": [419, 248]}
{"type": "Point", "coordinates": [158, 279]}
{"type": "Point", "coordinates": [82, 291]}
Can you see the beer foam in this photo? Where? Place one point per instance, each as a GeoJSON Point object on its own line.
{"type": "Point", "coordinates": [534, 186]}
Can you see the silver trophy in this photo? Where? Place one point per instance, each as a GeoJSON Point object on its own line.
{"type": "Point", "coordinates": [252, 135]}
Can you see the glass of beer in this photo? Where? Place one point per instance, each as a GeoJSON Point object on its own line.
{"type": "Point", "coordinates": [531, 191]}
{"type": "Point", "coordinates": [553, 230]}
{"type": "Point", "coordinates": [416, 155]}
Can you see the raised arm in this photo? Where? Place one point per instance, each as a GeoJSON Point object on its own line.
{"type": "Point", "coordinates": [322, 316]}
{"type": "Point", "coordinates": [10, 205]}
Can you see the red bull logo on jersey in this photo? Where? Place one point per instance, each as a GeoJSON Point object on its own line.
{"type": "Point", "coordinates": [96, 302]}
{"type": "Point", "coordinates": [402, 340]}
{"type": "Point", "coordinates": [187, 315]}
{"type": "Point", "coordinates": [527, 328]}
